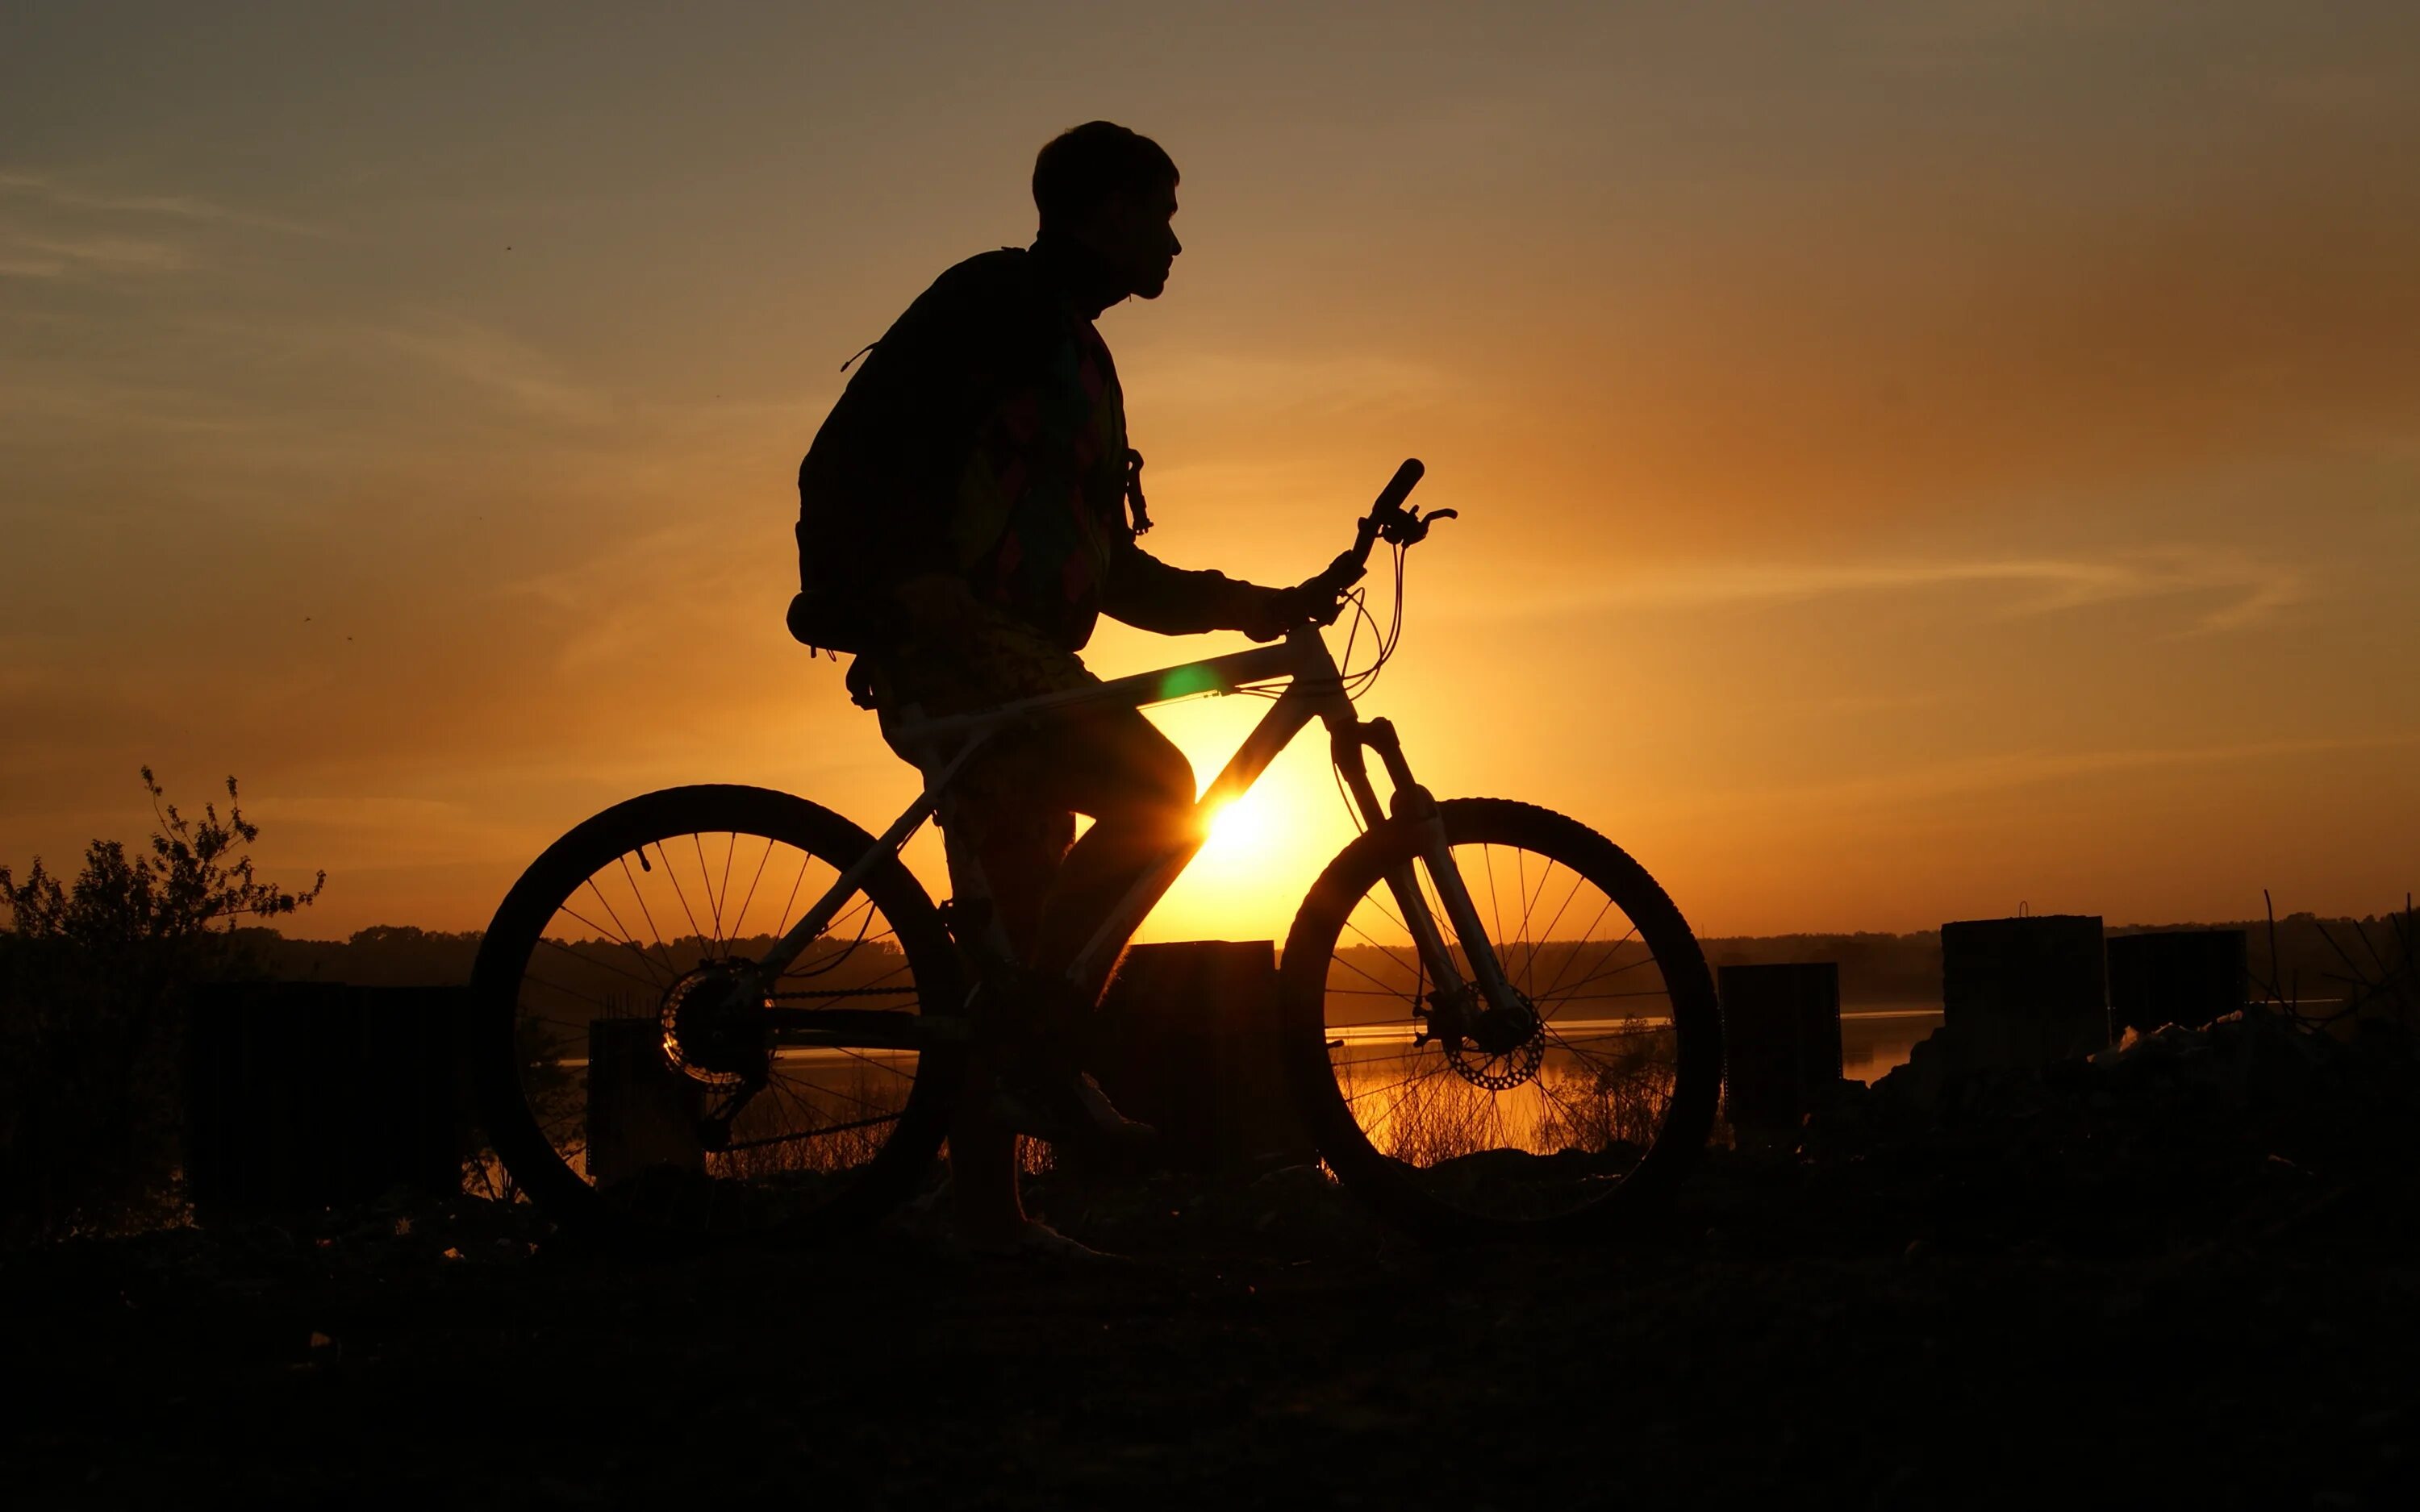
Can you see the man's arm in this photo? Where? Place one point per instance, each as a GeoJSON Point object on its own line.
{"type": "Point", "coordinates": [1150, 595]}
{"type": "Point", "coordinates": [1147, 593]}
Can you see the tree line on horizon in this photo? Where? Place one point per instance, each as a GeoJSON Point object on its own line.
{"type": "Point", "coordinates": [1876, 968]}
{"type": "Point", "coordinates": [96, 970]}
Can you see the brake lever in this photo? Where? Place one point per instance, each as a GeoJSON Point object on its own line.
{"type": "Point", "coordinates": [1412, 527]}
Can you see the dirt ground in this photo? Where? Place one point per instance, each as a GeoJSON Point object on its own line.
{"type": "Point", "coordinates": [1876, 1330]}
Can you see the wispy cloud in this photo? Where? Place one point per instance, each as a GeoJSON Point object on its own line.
{"type": "Point", "coordinates": [2252, 590]}
{"type": "Point", "coordinates": [1324, 385]}
{"type": "Point", "coordinates": [618, 603]}
{"type": "Point", "coordinates": [47, 190]}
{"type": "Point", "coordinates": [499, 363]}
{"type": "Point", "coordinates": [2005, 771]}
{"type": "Point", "coordinates": [59, 256]}
{"type": "Point", "coordinates": [55, 230]}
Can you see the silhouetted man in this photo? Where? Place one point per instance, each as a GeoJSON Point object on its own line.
{"type": "Point", "coordinates": [964, 522]}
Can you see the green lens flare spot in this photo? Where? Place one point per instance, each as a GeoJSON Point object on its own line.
{"type": "Point", "coordinates": [1187, 681]}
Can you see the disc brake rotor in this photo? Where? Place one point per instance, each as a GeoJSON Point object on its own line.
{"type": "Point", "coordinates": [1492, 1066]}
{"type": "Point", "coordinates": [1497, 1072]}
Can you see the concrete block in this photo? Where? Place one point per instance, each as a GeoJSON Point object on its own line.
{"type": "Point", "coordinates": [2188, 977]}
{"type": "Point", "coordinates": [1187, 1040]}
{"type": "Point", "coordinates": [2024, 992]}
{"type": "Point", "coordinates": [1781, 1037]}
{"type": "Point", "coordinates": [640, 1113]}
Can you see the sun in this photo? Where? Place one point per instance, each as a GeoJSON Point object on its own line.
{"type": "Point", "coordinates": [1263, 851]}
{"type": "Point", "coordinates": [1239, 831]}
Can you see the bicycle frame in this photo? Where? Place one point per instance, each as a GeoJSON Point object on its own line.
{"type": "Point", "coordinates": [1314, 691]}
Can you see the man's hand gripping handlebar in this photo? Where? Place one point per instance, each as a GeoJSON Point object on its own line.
{"type": "Point", "coordinates": [1320, 599]}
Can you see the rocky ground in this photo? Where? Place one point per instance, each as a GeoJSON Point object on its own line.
{"type": "Point", "coordinates": [2184, 1274]}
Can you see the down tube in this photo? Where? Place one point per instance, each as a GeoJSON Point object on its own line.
{"type": "Point", "coordinates": [1294, 709]}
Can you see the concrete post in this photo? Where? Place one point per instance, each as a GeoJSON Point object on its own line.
{"type": "Point", "coordinates": [1187, 1040]}
{"type": "Point", "coordinates": [2023, 991]}
{"type": "Point", "coordinates": [1781, 1037]}
{"type": "Point", "coordinates": [2187, 976]}
{"type": "Point", "coordinates": [640, 1113]}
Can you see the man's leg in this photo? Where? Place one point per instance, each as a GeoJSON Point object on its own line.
{"type": "Point", "coordinates": [1116, 765]}
{"type": "Point", "coordinates": [1140, 789]}
{"type": "Point", "coordinates": [1112, 765]}
{"type": "Point", "coordinates": [1017, 847]}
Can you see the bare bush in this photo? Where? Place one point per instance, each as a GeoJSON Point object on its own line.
{"type": "Point", "coordinates": [92, 979]}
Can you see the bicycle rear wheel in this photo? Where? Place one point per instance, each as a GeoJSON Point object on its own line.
{"type": "Point", "coordinates": [629, 1088]}
{"type": "Point", "coordinates": [1557, 1131]}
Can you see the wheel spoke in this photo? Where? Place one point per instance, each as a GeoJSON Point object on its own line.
{"type": "Point", "coordinates": [828, 1129]}
{"type": "Point", "coordinates": [621, 929]}
{"type": "Point", "coordinates": [705, 886]}
{"type": "Point", "coordinates": [1602, 909]}
{"type": "Point", "coordinates": [754, 880]}
{"type": "Point", "coordinates": [673, 877]}
{"type": "Point", "coordinates": [624, 862]}
{"type": "Point", "coordinates": [728, 851]}
{"type": "Point", "coordinates": [1538, 1128]}
{"type": "Point", "coordinates": [782, 925]}
{"type": "Point", "coordinates": [648, 983]}
{"type": "Point", "coordinates": [1609, 972]}
{"type": "Point", "coordinates": [603, 934]}
{"type": "Point", "coordinates": [801, 1129]}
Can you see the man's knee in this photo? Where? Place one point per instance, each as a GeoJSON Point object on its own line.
{"type": "Point", "coordinates": [1155, 790]}
{"type": "Point", "coordinates": [1140, 772]}
{"type": "Point", "coordinates": [1168, 778]}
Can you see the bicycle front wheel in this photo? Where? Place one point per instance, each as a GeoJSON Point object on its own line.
{"type": "Point", "coordinates": [1602, 1094]}
{"type": "Point", "coordinates": [635, 1076]}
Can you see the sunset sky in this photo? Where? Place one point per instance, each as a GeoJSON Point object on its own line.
{"type": "Point", "coordinates": [1913, 459]}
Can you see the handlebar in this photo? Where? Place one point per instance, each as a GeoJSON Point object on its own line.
{"type": "Point", "coordinates": [1389, 519]}
{"type": "Point", "coordinates": [1399, 487]}
{"type": "Point", "coordinates": [1389, 508]}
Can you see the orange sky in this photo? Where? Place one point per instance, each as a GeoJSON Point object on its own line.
{"type": "Point", "coordinates": [1913, 459]}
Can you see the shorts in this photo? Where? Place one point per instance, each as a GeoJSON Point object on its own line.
{"type": "Point", "coordinates": [1026, 786]}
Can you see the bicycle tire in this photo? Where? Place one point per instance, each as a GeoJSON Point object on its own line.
{"type": "Point", "coordinates": [543, 1120]}
{"type": "Point", "coordinates": [1472, 1190]}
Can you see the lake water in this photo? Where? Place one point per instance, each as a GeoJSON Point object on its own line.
{"type": "Point", "coordinates": [1876, 1041]}
{"type": "Point", "coordinates": [1873, 1040]}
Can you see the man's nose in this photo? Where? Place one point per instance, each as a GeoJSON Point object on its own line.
{"type": "Point", "coordinates": [1174, 246]}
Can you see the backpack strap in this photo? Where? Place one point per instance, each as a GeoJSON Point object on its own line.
{"type": "Point", "coordinates": [1134, 492]}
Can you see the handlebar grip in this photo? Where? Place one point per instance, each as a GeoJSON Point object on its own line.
{"type": "Point", "coordinates": [1389, 504]}
{"type": "Point", "coordinates": [1399, 488]}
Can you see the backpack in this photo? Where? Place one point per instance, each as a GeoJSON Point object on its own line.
{"type": "Point", "coordinates": [878, 443]}
{"type": "Point", "coordinates": [832, 613]}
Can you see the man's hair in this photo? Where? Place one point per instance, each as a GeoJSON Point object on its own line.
{"type": "Point", "coordinates": [1079, 169]}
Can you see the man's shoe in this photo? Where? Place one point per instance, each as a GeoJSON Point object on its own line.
{"type": "Point", "coordinates": [1067, 1107]}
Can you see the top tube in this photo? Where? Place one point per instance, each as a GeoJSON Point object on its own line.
{"type": "Point", "coordinates": [1303, 658]}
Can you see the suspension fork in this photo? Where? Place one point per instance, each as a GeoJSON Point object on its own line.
{"type": "Point", "coordinates": [1415, 806]}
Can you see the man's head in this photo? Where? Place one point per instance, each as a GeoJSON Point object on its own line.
{"type": "Point", "coordinates": [1114, 191]}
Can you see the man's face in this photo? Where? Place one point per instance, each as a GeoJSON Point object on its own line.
{"type": "Point", "coordinates": [1134, 233]}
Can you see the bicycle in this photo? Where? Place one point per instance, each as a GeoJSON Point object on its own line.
{"type": "Point", "coordinates": [765, 1074]}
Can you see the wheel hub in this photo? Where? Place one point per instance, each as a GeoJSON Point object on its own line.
{"type": "Point", "coordinates": [1495, 1048]}
{"type": "Point", "coordinates": [715, 1027]}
